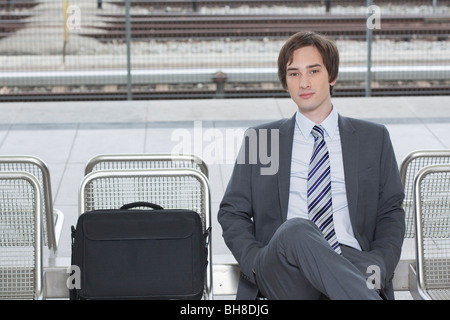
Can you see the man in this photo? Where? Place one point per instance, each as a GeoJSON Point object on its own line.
{"type": "Point", "coordinates": [329, 223]}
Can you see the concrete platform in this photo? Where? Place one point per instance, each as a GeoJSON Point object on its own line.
{"type": "Point", "coordinates": [67, 134]}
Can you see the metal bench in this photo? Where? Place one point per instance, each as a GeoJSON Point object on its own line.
{"type": "Point", "coordinates": [21, 271]}
{"type": "Point", "coordinates": [412, 163]}
{"type": "Point", "coordinates": [432, 209]}
{"type": "Point", "coordinates": [52, 218]}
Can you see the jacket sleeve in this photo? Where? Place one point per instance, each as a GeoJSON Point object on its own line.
{"type": "Point", "coordinates": [390, 226]}
{"type": "Point", "coordinates": [236, 213]}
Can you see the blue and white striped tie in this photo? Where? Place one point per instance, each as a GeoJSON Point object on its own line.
{"type": "Point", "coordinates": [319, 189]}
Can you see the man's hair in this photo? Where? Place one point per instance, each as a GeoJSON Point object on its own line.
{"type": "Point", "coordinates": [326, 47]}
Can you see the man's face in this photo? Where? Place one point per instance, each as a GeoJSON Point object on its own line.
{"type": "Point", "coordinates": [308, 85]}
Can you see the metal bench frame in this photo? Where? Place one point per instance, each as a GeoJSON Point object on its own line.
{"type": "Point", "coordinates": [408, 170]}
{"type": "Point", "coordinates": [9, 274]}
{"type": "Point", "coordinates": [432, 235]}
{"type": "Point", "coordinates": [123, 161]}
{"type": "Point", "coordinates": [53, 218]}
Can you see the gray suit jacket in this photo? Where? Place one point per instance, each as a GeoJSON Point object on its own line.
{"type": "Point", "coordinates": [255, 205]}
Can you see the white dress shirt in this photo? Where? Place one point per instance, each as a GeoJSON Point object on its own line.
{"type": "Point", "coordinates": [302, 148]}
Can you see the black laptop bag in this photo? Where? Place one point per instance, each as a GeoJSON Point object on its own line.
{"type": "Point", "coordinates": [138, 254]}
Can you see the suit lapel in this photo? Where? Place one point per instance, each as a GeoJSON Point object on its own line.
{"type": "Point", "coordinates": [349, 143]}
{"type": "Point", "coordinates": [284, 173]}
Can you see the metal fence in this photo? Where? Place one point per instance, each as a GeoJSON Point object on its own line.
{"type": "Point", "coordinates": [149, 49]}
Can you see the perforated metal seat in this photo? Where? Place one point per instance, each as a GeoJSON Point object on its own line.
{"type": "Point", "coordinates": [21, 272]}
{"type": "Point", "coordinates": [52, 218]}
{"type": "Point", "coordinates": [169, 188]}
{"type": "Point", "coordinates": [412, 163]}
{"type": "Point", "coordinates": [432, 208]}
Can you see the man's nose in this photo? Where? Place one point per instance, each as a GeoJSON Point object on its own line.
{"type": "Point", "coordinates": [304, 82]}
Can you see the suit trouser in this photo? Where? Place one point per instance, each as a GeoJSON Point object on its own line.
{"type": "Point", "coordinates": [298, 263]}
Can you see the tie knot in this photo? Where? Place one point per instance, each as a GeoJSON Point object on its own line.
{"type": "Point", "coordinates": [317, 132]}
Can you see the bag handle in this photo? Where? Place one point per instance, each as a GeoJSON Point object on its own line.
{"type": "Point", "coordinates": [141, 204]}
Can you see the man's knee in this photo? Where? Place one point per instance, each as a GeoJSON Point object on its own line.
{"type": "Point", "coordinates": [296, 230]}
{"type": "Point", "coordinates": [297, 226]}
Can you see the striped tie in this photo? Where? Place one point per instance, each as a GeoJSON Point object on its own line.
{"type": "Point", "coordinates": [319, 189]}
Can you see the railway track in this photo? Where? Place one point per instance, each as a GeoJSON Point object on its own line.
{"type": "Point", "coordinates": [186, 4]}
{"type": "Point", "coordinates": [191, 25]}
{"type": "Point", "coordinates": [17, 4]}
{"type": "Point", "coordinates": [226, 94]}
{"type": "Point", "coordinates": [10, 22]}
{"type": "Point", "coordinates": [195, 26]}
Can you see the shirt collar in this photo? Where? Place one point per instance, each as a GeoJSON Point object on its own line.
{"type": "Point", "coordinates": [329, 124]}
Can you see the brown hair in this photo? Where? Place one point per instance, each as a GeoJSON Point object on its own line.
{"type": "Point", "coordinates": [326, 48]}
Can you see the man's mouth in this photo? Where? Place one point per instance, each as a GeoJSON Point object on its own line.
{"type": "Point", "coordinates": [306, 95]}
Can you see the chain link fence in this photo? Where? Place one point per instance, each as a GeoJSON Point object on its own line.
{"type": "Point", "coordinates": [149, 49]}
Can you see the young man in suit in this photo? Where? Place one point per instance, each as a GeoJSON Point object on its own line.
{"type": "Point", "coordinates": [328, 223]}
